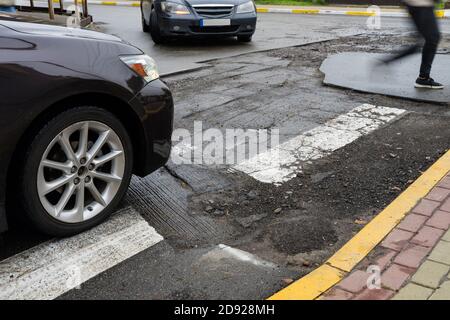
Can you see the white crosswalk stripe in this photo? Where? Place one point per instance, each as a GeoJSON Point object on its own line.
{"type": "Point", "coordinates": [57, 266]}
{"type": "Point", "coordinates": [281, 163]}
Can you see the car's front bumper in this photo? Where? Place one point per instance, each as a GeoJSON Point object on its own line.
{"type": "Point", "coordinates": [154, 104]}
{"type": "Point", "coordinates": [190, 25]}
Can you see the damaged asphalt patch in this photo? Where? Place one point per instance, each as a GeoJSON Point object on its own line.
{"type": "Point", "coordinates": [356, 183]}
{"type": "Point", "coordinates": [301, 223]}
{"type": "Point", "coordinates": [302, 233]}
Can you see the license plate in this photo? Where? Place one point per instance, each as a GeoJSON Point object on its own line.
{"type": "Point", "coordinates": [215, 22]}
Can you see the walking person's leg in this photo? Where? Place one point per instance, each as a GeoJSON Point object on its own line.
{"type": "Point", "coordinates": [403, 53]}
{"type": "Point", "coordinates": [425, 20]}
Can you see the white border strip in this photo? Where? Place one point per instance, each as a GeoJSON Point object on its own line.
{"type": "Point", "coordinates": [57, 266]}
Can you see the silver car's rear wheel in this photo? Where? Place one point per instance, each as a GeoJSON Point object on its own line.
{"type": "Point", "coordinates": [81, 172]}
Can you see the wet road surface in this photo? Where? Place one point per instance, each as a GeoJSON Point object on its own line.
{"type": "Point", "coordinates": [221, 233]}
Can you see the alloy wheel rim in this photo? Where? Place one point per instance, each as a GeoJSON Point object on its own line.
{"type": "Point", "coordinates": [81, 172]}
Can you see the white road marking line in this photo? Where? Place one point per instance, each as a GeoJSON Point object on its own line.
{"type": "Point", "coordinates": [239, 143]}
{"type": "Point", "coordinates": [57, 266]}
{"type": "Point", "coordinates": [280, 164]}
{"type": "Point", "coordinates": [222, 252]}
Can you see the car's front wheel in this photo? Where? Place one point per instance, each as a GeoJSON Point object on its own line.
{"type": "Point", "coordinates": [155, 30]}
{"type": "Point", "coordinates": [76, 170]}
{"type": "Point", "coordinates": [145, 26]}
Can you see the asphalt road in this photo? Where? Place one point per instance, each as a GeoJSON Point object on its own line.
{"type": "Point", "coordinates": [222, 233]}
{"type": "Point", "coordinates": [273, 31]}
{"type": "Point", "coordinates": [227, 234]}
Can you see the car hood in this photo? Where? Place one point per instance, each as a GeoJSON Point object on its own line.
{"type": "Point", "coordinates": [50, 30]}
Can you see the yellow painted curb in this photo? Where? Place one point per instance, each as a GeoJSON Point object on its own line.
{"type": "Point", "coordinates": [440, 13]}
{"type": "Point", "coordinates": [305, 11]}
{"type": "Point", "coordinates": [312, 285]}
{"type": "Point", "coordinates": [360, 13]}
{"type": "Point", "coordinates": [109, 3]}
{"type": "Point", "coordinates": [345, 259]}
{"type": "Point", "coordinates": [262, 10]}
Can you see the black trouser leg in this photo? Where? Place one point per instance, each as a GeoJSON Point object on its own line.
{"type": "Point", "coordinates": [426, 23]}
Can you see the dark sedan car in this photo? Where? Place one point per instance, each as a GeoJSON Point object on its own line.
{"type": "Point", "coordinates": [80, 111]}
{"type": "Point", "coordinates": [200, 18]}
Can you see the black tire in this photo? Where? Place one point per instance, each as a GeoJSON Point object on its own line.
{"type": "Point", "coordinates": [33, 210]}
{"type": "Point", "coordinates": [145, 26]}
{"type": "Point", "coordinates": [244, 38]}
{"type": "Point", "coordinates": [155, 31]}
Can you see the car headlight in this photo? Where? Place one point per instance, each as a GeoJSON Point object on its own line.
{"type": "Point", "coordinates": [247, 7]}
{"type": "Point", "coordinates": [143, 65]}
{"type": "Point", "coordinates": [174, 8]}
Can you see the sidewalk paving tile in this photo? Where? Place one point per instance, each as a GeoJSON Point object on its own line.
{"type": "Point", "coordinates": [337, 294]}
{"type": "Point", "coordinates": [426, 207]}
{"type": "Point", "coordinates": [395, 276]}
{"type": "Point", "coordinates": [383, 261]}
{"type": "Point", "coordinates": [443, 293]}
{"type": "Point", "coordinates": [446, 236]}
{"type": "Point", "coordinates": [412, 222]}
{"type": "Point", "coordinates": [446, 206]}
{"type": "Point", "coordinates": [438, 194]}
{"type": "Point", "coordinates": [445, 183]}
{"type": "Point", "coordinates": [440, 219]}
{"type": "Point", "coordinates": [397, 239]}
{"type": "Point", "coordinates": [355, 282]}
{"type": "Point", "coordinates": [441, 253]}
{"type": "Point", "coordinates": [430, 274]}
{"type": "Point", "coordinates": [413, 292]}
{"type": "Point", "coordinates": [375, 294]}
{"type": "Point", "coordinates": [427, 236]}
{"type": "Point", "coordinates": [412, 256]}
